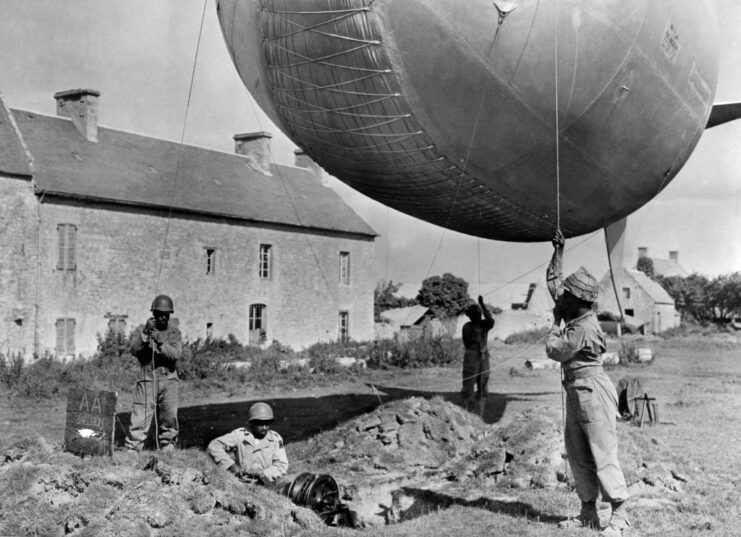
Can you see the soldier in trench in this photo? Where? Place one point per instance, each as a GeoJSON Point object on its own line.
{"type": "Point", "coordinates": [254, 453]}
{"type": "Point", "coordinates": [591, 400]}
{"type": "Point", "coordinates": [476, 356]}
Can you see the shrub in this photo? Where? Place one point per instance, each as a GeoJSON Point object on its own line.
{"type": "Point", "coordinates": [419, 352]}
{"type": "Point", "coordinates": [11, 369]}
{"type": "Point", "coordinates": [530, 337]}
{"type": "Point", "coordinates": [628, 354]}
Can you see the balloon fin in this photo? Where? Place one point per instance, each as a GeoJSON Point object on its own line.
{"type": "Point", "coordinates": [615, 242]}
{"type": "Point", "coordinates": [723, 113]}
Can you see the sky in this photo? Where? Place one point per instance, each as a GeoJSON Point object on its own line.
{"type": "Point", "coordinates": [141, 56]}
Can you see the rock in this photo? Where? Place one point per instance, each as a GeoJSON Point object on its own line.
{"type": "Point", "coordinates": [201, 504]}
{"type": "Point", "coordinates": [679, 477]}
{"type": "Point", "coordinates": [305, 518]}
{"type": "Point", "coordinates": [74, 522]}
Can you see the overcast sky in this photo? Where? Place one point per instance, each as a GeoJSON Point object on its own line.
{"type": "Point", "coordinates": [139, 54]}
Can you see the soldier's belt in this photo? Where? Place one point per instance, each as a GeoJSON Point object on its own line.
{"type": "Point", "coordinates": [581, 373]}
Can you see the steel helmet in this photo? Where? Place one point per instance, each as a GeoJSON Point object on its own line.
{"type": "Point", "coordinates": [582, 285]}
{"type": "Point", "coordinates": [260, 412]}
{"type": "Point", "coordinates": [162, 303]}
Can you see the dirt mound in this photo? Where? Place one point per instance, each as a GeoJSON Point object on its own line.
{"type": "Point", "coordinates": [406, 436]}
{"type": "Point", "coordinates": [46, 492]}
{"type": "Point", "coordinates": [525, 451]}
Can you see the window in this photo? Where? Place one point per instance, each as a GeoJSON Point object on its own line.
{"type": "Point", "coordinates": [67, 237]}
{"type": "Point", "coordinates": [258, 324]}
{"type": "Point", "coordinates": [344, 325]}
{"type": "Point", "coordinates": [629, 311]}
{"type": "Point", "coordinates": [210, 261]}
{"type": "Point", "coordinates": [266, 261]}
{"type": "Point", "coordinates": [117, 324]}
{"type": "Point", "coordinates": [626, 293]}
{"type": "Point", "coordinates": [345, 268]}
{"type": "Point", "coordinates": [65, 336]}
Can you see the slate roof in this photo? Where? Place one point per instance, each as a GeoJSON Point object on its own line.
{"type": "Point", "coordinates": [13, 157]}
{"type": "Point", "coordinates": [657, 293]}
{"type": "Point", "coordinates": [406, 316]}
{"type": "Point", "coordinates": [137, 170]}
{"type": "Point", "coordinates": [669, 267]}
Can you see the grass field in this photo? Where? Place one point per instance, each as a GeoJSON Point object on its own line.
{"type": "Point", "coordinates": [697, 384]}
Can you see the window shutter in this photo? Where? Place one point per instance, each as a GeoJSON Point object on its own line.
{"type": "Point", "coordinates": [71, 244]}
{"type": "Point", "coordinates": [70, 342]}
{"type": "Point", "coordinates": [60, 336]}
{"type": "Point", "coordinates": [60, 238]}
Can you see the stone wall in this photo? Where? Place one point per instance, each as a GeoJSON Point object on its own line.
{"type": "Point", "coordinates": [125, 256]}
{"type": "Point", "coordinates": [18, 247]}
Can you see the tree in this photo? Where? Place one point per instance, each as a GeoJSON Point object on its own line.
{"type": "Point", "coordinates": [723, 297]}
{"type": "Point", "coordinates": [384, 298]}
{"type": "Point", "coordinates": [689, 294]}
{"type": "Point", "coordinates": [646, 265]}
{"type": "Point", "coordinates": [446, 296]}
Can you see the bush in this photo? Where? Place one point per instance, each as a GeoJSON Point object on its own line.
{"type": "Point", "coordinates": [419, 352]}
{"type": "Point", "coordinates": [208, 358]}
{"type": "Point", "coordinates": [11, 369]}
{"type": "Point", "coordinates": [530, 337]}
{"type": "Point", "coordinates": [628, 354]}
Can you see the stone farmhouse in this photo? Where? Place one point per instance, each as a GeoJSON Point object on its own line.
{"type": "Point", "coordinates": [97, 221]}
{"type": "Point", "coordinates": [641, 298]}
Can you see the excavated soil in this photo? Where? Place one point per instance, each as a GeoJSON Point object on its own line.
{"type": "Point", "coordinates": [400, 460]}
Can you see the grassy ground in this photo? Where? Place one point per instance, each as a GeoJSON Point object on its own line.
{"type": "Point", "coordinates": [697, 383]}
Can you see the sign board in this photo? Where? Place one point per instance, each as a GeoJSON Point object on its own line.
{"type": "Point", "coordinates": [89, 429]}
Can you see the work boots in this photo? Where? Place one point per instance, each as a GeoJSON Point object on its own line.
{"type": "Point", "coordinates": [587, 518]}
{"type": "Point", "coordinates": [618, 521]}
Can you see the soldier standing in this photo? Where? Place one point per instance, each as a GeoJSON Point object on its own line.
{"type": "Point", "coordinates": [476, 356]}
{"type": "Point", "coordinates": [591, 400]}
{"type": "Point", "coordinates": [157, 345]}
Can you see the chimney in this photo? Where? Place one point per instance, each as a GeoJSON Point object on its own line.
{"type": "Point", "coordinates": [674, 255]}
{"type": "Point", "coordinates": [256, 147]}
{"type": "Point", "coordinates": [642, 252]}
{"type": "Point", "coordinates": [305, 161]}
{"type": "Point", "coordinates": [81, 106]}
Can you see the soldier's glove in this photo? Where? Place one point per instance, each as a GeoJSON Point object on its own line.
{"type": "Point", "coordinates": [149, 327]}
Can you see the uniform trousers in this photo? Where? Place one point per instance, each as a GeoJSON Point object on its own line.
{"type": "Point", "coordinates": [591, 438]}
{"type": "Point", "coordinates": [146, 395]}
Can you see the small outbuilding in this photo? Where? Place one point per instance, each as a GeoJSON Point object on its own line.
{"type": "Point", "coordinates": [640, 298]}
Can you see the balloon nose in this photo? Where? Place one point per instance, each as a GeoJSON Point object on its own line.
{"type": "Point", "coordinates": [505, 6]}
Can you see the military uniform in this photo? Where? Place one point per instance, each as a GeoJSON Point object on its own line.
{"type": "Point", "coordinates": [266, 456]}
{"type": "Point", "coordinates": [476, 358]}
{"type": "Point", "coordinates": [591, 402]}
{"type": "Point", "coordinates": [155, 388]}
{"type": "Point", "coordinates": [592, 408]}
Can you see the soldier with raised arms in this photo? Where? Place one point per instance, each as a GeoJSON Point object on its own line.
{"type": "Point", "coordinates": [591, 400]}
